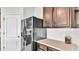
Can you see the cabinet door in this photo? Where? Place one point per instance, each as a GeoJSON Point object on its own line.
{"type": "Point", "coordinates": [47, 16]}
{"type": "Point", "coordinates": [52, 49]}
{"type": "Point", "coordinates": [41, 47]}
{"type": "Point", "coordinates": [61, 17]}
{"type": "Point", "coordinates": [76, 19]}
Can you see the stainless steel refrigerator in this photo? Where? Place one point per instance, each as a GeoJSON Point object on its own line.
{"type": "Point", "coordinates": [28, 27]}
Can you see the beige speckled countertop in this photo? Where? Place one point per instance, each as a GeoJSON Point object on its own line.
{"type": "Point", "coordinates": [57, 44]}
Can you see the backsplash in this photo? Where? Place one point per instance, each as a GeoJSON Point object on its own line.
{"type": "Point", "coordinates": [60, 33]}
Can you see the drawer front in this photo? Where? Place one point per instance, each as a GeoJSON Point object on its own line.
{"type": "Point", "coordinates": [52, 49]}
{"type": "Point", "coordinates": [42, 47]}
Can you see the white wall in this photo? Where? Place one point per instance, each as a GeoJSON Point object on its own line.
{"type": "Point", "coordinates": [11, 10]}
{"type": "Point", "coordinates": [33, 11]}
{"type": "Point", "coordinates": [38, 12]}
{"type": "Point", "coordinates": [60, 33]}
{"type": "Point", "coordinates": [28, 12]}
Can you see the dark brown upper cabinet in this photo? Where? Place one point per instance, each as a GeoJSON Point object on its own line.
{"type": "Point", "coordinates": [75, 21]}
{"type": "Point", "coordinates": [47, 15]}
{"type": "Point", "coordinates": [61, 17]}
{"type": "Point", "coordinates": [56, 17]}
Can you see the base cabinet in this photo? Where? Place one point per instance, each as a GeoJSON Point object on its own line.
{"type": "Point", "coordinates": [41, 47]}
{"type": "Point", "coordinates": [52, 49]}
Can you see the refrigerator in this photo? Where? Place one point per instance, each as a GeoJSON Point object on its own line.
{"type": "Point", "coordinates": [28, 27]}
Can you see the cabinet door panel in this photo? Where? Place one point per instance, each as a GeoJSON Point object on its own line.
{"type": "Point", "coordinates": [47, 16]}
{"type": "Point", "coordinates": [61, 16]}
{"type": "Point", "coordinates": [52, 49]}
{"type": "Point", "coordinates": [76, 19]}
{"type": "Point", "coordinates": [42, 47]}
{"type": "Point", "coordinates": [75, 16]}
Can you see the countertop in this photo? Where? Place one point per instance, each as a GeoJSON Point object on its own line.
{"type": "Point", "coordinates": [60, 45]}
